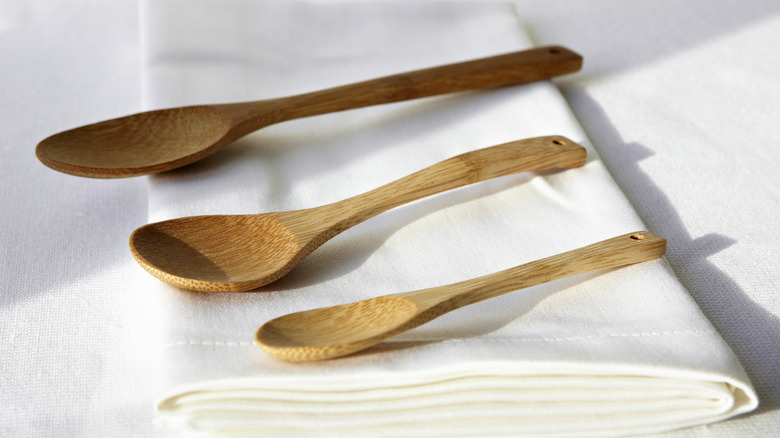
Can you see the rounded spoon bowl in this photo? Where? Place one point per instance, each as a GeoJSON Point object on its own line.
{"type": "Point", "coordinates": [217, 253]}
{"type": "Point", "coordinates": [138, 144]}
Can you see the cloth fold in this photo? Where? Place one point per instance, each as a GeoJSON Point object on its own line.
{"type": "Point", "coordinates": [611, 353]}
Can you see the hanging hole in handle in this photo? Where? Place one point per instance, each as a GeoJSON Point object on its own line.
{"type": "Point", "coordinates": [637, 237]}
{"type": "Point", "coordinates": [559, 142]}
{"type": "Point", "coordinates": [554, 51]}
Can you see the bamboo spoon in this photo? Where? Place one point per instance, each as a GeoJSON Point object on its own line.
{"type": "Point", "coordinates": [336, 331]}
{"type": "Point", "coordinates": [161, 140]}
{"type": "Point", "coordinates": [226, 253]}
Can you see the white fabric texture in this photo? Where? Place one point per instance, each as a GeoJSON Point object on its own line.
{"type": "Point", "coordinates": [619, 352]}
{"type": "Point", "coordinates": [72, 352]}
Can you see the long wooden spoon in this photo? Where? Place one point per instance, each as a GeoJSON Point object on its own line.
{"type": "Point", "coordinates": [226, 253]}
{"type": "Point", "coordinates": [161, 140]}
{"type": "Point", "coordinates": [340, 330]}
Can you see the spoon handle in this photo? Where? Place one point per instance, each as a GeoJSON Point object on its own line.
{"type": "Point", "coordinates": [527, 155]}
{"type": "Point", "coordinates": [509, 69]}
{"type": "Point", "coordinates": [611, 253]}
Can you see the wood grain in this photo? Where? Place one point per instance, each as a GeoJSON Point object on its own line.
{"type": "Point", "coordinates": [160, 140]}
{"type": "Point", "coordinates": [336, 331]}
{"type": "Point", "coordinates": [495, 71]}
{"type": "Point", "coordinates": [228, 253]}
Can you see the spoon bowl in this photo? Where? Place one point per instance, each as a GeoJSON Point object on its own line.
{"type": "Point", "coordinates": [196, 252]}
{"type": "Point", "coordinates": [156, 141]}
{"type": "Point", "coordinates": [336, 331]}
{"type": "Point", "coordinates": [227, 253]}
{"type": "Point", "coordinates": [357, 326]}
{"type": "Point", "coordinates": [142, 143]}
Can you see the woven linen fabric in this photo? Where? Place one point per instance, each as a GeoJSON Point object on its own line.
{"type": "Point", "coordinates": [611, 353]}
{"type": "Point", "coordinates": [71, 344]}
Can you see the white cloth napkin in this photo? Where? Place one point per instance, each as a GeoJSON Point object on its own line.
{"type": "Point", "coordinates": [619, 352]}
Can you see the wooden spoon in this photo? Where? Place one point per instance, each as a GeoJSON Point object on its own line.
{"type": "Point", "coordinates": [226, 253]}
{"type": "Point", "coordinates": [340, 330]}
{"type": "Point", "coordinates": [161, 140]}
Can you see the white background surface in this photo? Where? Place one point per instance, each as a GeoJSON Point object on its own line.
{"type": "Point", "coordinates": [682, 101]}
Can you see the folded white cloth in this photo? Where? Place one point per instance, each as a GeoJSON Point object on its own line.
{"type": "Point", "coordinates": [619, 352]}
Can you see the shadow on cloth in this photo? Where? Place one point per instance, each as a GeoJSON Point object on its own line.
{"type": "Point", "coordinates": [720, 298]}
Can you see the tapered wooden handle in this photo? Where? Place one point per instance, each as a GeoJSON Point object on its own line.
{"type": "Point", "coordinates": [611, 253]}
{"type": "Point", "coordinates": [527, 155]}
{"type": "Point", "coordinates": [509, 69]}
